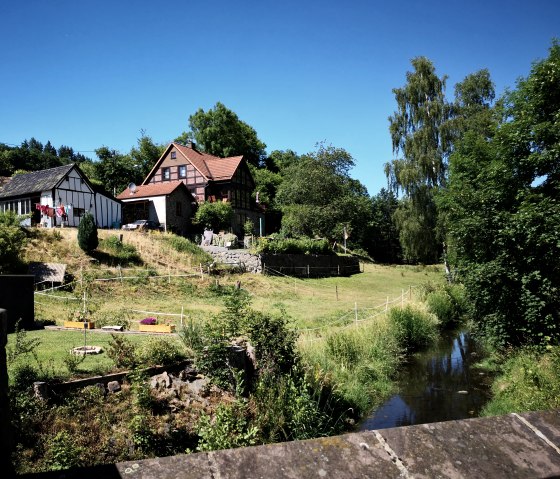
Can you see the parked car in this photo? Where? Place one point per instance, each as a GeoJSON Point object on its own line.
{"type": "Point", "coordinates": [142, 225]}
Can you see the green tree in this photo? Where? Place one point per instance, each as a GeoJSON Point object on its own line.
{"type": "Point", "coordinates": [383, 244]}
{"type": "Point", "coordinates": [145, 155]}
{"type": "Point", "coordinates": [318, 198]}
{"type": "Point", "coordinates": [502, 208]}
{"type": "Point", "coordinates": [418, 134]}
{"type": "Point", "coordinates": [217, 215]}
{"type": "Point", "coordinates": [12, 241]}
{"type": "Point", "coordinates": [114, 170]}
{"type": "Point", "coordinates": [220, 132]}
{"type": "Point", "coordinates": [87, 234]}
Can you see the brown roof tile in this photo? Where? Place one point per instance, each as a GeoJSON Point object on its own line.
{"type": "Point", "coordinates": [152, 189]}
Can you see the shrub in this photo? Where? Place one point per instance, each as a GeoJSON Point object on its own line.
{"type": "Point", "coordinates": [62, 452]}
{"type": "Point", "coordinates": [12, 241]}
{"type": "Point", "coordinates": [217, 215]}
{"type": "Point", "coordinates": [449, 305]}
{"type": "Point", "coordinates": [119, 317]}
{"type": "Point", "coordinates": [87, 234]}
{"type": "Point", "coordinates": [294, 246]}
{"type": "Point", "coordinates": [229, 428]}
{"type": "Point", "coordinates": [121, 351]}
{"type": "Point", "coordinates": [415, 329]}
{"type": "Point", "coordinates": [160, 351]}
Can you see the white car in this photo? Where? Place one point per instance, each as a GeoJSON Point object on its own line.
{"type": "Point", "coordinates": [142, 225]}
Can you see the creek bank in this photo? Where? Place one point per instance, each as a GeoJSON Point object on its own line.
{"type": "Point", "coordinates": [439, 384]}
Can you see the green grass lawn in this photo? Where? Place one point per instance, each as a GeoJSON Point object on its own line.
{"type": "Point", "coordinates": [54, 346]}
{"type": "Point", "coordinates": [310, 303]}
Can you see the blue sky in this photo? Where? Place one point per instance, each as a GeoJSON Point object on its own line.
{"type": "Point", "coordinates": [92, 73]}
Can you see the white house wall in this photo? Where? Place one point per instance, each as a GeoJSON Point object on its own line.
{"type": "Point", "coordinates": [108, 212]}
{"type": "Point", "coordinates": [157, 211]}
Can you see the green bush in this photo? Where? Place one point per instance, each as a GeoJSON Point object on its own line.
{"type": "Point", "coordinates": [62, 452]}
{"type": "Point", "coordinates": [414, 328]}
{"type": "Point", "coordinates": [87, 234]}
{"type": "Point", "coordinates": [229, 428]}
{"type": "Point", "coordinates": [121, 351]}
{"type": "Point", "coordinates": [449, 305]}
{"type": "Point", "coordinates": [159, 351]}
{"type": "Point", "coordinates": [119, 317]}
{"type": "Point", "coordinates": [12, 241]}
{"type": "Point", "coordinates": [217, 216]}
{"type": "Point", "coordinates": [294, 246]}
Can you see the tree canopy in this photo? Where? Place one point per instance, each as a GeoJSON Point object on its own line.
{"type": "Point", "coordinates": [220, 132]}
{"type": "Point", "coordinates": [318, 198]}
{"type": "Point", "coordinates": [502, 211]}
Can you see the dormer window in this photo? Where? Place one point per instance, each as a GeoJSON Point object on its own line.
{"type": "Point", "coordinates": [165, 174]}
{"type": "Point", "coordinates": [173, 155]}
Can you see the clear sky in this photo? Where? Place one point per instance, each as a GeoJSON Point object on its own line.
{"type": "Point", "coordinates": [89, 73]}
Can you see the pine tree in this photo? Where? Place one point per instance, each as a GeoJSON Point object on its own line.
{"type": "Point", "coordinates": [87, 234]}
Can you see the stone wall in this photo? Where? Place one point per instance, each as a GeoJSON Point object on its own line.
{"type": "Point", "coordinates": [301, 265]}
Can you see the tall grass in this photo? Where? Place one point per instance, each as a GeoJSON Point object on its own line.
{"type": "Point", "coordinates": [183, 245]}
{"type": "Point", "coordinates": [360, 362]}
{"type": "Point", "coordinates": [529, 381]}
{"type": "Point", "coordinates": [414, 328]}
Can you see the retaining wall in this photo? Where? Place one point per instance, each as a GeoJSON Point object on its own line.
{"type": "Point", "coordinates": [301, 265]}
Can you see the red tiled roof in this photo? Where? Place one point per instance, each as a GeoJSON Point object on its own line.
{"type": "Point", "coordinates": [223, 168]}
{"type": "Point", "coordinates": [153, 189]}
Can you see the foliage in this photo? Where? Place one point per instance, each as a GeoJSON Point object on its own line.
{"type": "Point", "coordinates": [159, 351]}
{"type": "Point", "coordinates": [529, 381]}
{"type": "Point", "coordinates": [414, 328]}
{"type": "Point", "coordinates": [220, 132]}
{"type": "Point", "coordinates": [502, 212]}
{"type": "Point", "coordinates": [319, 199]}
{"type": "Point", "coordinates": [448, 304]}
{"type": "Point", "coordinates": [383, 245]}
{"type": "Point", "coordinates": [248, 227]}
{"type": "Point", "coordinates": [144, 156]}
{"type": "Point", "coordinates": [358, 363]}
{"type": "Point", "coordinates": [114, 170]}
{"type": "Point", "coordinates": [229, 428]}
{"type": "Point", "coordinates": [12, 241]}
{"type": "Point", "coordinates": [294, 246]}
{"type": "Point", "coordinates": [417, 133]}
{"type": "Point", "coordinates": [217, 216]}
{"type": "Point", "coordinates": [73, 361]}
{"type": "Point", "coordinates": [122, 352]}
{"type": "Point", "coordinates": [62, 452]}
{"type": "Point", "coordinates": [23, 345]}
{"type": "Point", "coordinates": [114, 317]}
{"type": "Point", "coordinates": [87, 234]}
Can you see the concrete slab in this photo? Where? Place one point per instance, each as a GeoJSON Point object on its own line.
{"type": "Point", "coordinates": [484, 447]}
{"type": "Point", "coordinates": [547, 422]}
{"type": "Point", "coordinates": [183, 466]}
{"type": "Point", "coordinates": [349, 456]}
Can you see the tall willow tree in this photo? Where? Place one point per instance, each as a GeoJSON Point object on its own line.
{"type": "Point", "coordinates": [420, 138]}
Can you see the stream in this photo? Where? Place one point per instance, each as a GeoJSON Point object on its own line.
{"type": "Point", "coordinates": [436, 385]}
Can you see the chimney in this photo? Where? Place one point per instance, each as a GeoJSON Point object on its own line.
{"type": "Point", "coordinates": [191, 144]}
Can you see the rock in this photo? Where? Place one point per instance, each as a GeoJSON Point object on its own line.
{"type": "Point", "coordinates": [113, 386]}
{"type": "Point", "coordinates": [198, 386]}
{"type": "Point", "coordinates": [160, 381]}
{"type": "Point", "coordinates": [101, 387]}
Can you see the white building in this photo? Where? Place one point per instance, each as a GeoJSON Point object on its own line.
{"type": "Point", "coordinates": [59, 196]}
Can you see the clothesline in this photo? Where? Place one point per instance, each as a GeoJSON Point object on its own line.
{"type": "Point", "coordinates": [61, 211]}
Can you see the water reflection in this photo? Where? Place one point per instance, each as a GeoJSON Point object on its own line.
{"type": "Point", "coordinates": [436, 385]}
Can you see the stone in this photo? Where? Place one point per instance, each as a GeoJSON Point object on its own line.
{"type": "Point", "coordinates": [161, 381]}
{"type": "Point", "coordinates": [198, 386]}
{"type": "Point", "coordinates": [113, 386]}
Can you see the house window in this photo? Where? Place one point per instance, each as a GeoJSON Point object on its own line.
{"type": "Point", "coordinates": [178, 208]}
{"type": "Point", "coordinates": [173, 155]}
{"type": "Point", "coordinates": [165, 174]}
{"type": "Point", "coordinates": [182, 171]}
{"type": "Point", "coordinates": [79, 212]}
